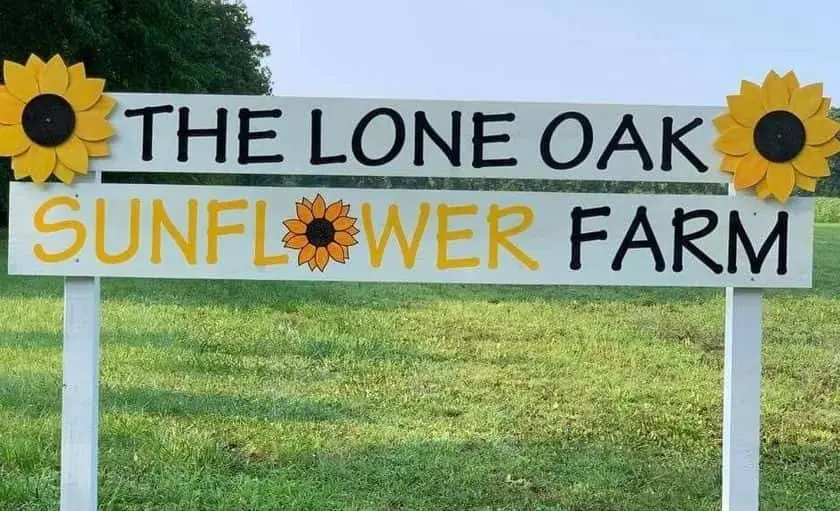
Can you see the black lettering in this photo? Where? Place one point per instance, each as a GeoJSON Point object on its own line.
{"type": "Point", "coordinates": [479, 139]}
{"type": "Point", "coordinates": [737, 232]}
{"type": "Point", "coordinates": [396, 147]}
{"type": "Point", "coordinates": [578, 237]}
{"type": "Point", "coordinates": [148, 114]}
{"type": "Point", "coordinates": [585, 148]}
{"type": "Point", "coordinates": [246, 135]}
{"type": "Point", "coordinates": [683, 241]}
{"type": "Point", "coordinates": [640, 220]}
{"type": "Point", "coordinates": [316, 158]}
{"type": "Point", "coordinates": [671, 139]}
{"type": "Point", "coordinates": [615, 144]}
{"type": "Point", "coordinates": [452, 152]}
{"type": "Point", "coordinates": [185, 132]}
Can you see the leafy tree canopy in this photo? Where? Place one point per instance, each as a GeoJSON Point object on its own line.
{"type": "Point", "coordinates": [178, 46]}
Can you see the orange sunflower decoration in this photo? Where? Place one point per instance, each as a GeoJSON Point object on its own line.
{"type": "Point", "coordinates": [321, 232]}
{"type": "Point", "coordinates": [777, 136]}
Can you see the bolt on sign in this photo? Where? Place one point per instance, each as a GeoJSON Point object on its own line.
{"type": "Point", "coordinates": [58, 123]}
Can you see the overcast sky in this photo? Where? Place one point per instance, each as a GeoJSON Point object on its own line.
{"type": "Point", "coordinates": [642, 51]}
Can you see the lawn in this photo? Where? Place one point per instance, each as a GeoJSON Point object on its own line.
{"type": "Point", "coordinates": [258, 395]}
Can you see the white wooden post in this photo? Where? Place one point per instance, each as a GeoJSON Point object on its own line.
{"type": "Point", "coordinates": [741, 398]}
{"type": "Point", "coordinates": [80, 396]}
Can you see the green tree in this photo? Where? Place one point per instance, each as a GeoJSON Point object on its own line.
{"type": "Point", "coordinates": [179, 46]}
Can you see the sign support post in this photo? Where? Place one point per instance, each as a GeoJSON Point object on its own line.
{"type": "Point", "coordinates": [741, 397]}
{"type": "Point", "coordinates": [80, 393]}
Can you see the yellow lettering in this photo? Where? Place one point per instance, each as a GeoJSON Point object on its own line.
{"type": "Point", "coordinates": [445, 235]}
{"type": "Point", "coordinates": [500, 238]}
{"type": "Point", "coordinates": [133, 236]}
{"type": "Point", "coordinates": [74, 225]}
{"type": "Point", "coordinates": [214, 230]}
{"type": "Point", "coordinates": [394, 224]}
{"type": "Point", "coordinates": [160, 218]}
{"type": "Point", "coordinates": [260, 259]}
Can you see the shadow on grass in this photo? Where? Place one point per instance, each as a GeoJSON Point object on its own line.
{"type": "Point", "coordinates": [39, 394]}
{"type": "Point", "coordinates": [440, 475]}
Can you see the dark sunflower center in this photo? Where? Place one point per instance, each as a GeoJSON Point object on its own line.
{"type": "Point", "coordinates": [48, 120]}
{"type": "Point", "coordinates": [320, 232]}
{"type": "Point", "coordinates": [779, 136]}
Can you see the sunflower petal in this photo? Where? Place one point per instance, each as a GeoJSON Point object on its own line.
{"type": "Point", "coordinates": [747, 107]}
{"type": "Point", "coordinates": [333, 211]}
{"type": "Point", "coordinates": [297, 241]}
{"type": "Point", "coordinates": [724, 122]}
{"type": "Point", "coordinates": [104, 106]}
{"type": "Point", "coordinates": [322, 257]}
{"type": "Point", "coordinates": [63, 173]}
{"type": "Point", "coordinates": [84, 93]}
{"type": "Point", "coordinates": [92, 127]}
{"type": "Point", "coordinates": [736, 141]}
{"type": "Point", "coordinates": [19, 167]}
{"type": "Point", "coordinates": [774, 93]}
{"type": "Point", "coordinates": [73, 154]}
{"type": "Point", "coordinates": [303, 213]}
{"type": "Point", "coordinates": [820, 130]}
{"type": "Point", "coordinates": [53, 79]}
{"type": "Point", "coordinates": [97, 149]}
{"type": "Point", "coordinates": [319, 207]}
{"type": "Point", "coordinates": [13, 140]}
{"type": "Point", "coordinates": [750, 171]}
{"type": "Point", "coordinates": [344, 210]}
{"type": "Point", "coordinates": [39, 162]}
{"type": "Point", "coordinates": [780, 180]}
{"type": "Point", "coordinates": [20, 81]}
{"type": "Point", "coordinates": [306, 254]}
{"type": "Point", "coordinates": [352, 231]}
{"type": "Point", "coordinates": [296, 226]}
{"type": "Point", "coordinates": [762, 190]}
{"type": "Point", "coordinates": [35, 64]}
{"type": "Point", "coordinates": [825, 106]}
{"type": "Point", "coordinates": [811, 163]}
{"type": "Point", "coordinates": [346, 252]}
{"type": "Point", "coordinates": [791, 82]}
{"type": "Point", "coordinates": [11, 109]}
{"type": "Point", "coordinates": [311, 263]}
{"type": "Point", "coordinates": [335, 252]}
{"type": "Point", "coordinates": [345, 238]}
{"type": "Point", "coordinates": [307, 202]}
{"type": "Point", "coordinates": [806, 101]}
{"type": "Point", "coordinates": [730, 163]}
{"type": "Point", "coordinates": [830, 148]}
{"type": "Point", "coordinates": [343, 223]}
{"type": "Point", "coordinates": [806, 183]}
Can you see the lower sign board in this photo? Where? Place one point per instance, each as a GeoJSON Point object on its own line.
{"type": "Point", "coordinates": [335, 234]}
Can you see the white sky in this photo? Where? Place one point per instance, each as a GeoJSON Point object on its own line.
{"type": "Point", "coordinates": [666, 52]}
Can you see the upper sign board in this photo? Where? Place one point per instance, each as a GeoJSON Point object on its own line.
{"type": "Point", "coordinates": [335, 136]}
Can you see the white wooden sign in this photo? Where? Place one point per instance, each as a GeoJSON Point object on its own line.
{"type": "Point", "coordinates": [158, 231]}
{"type": "Point", "coordinates": [770, 139]}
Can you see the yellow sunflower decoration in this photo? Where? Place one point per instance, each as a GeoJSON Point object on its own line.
{"type": "Point", "coordinates": [52, 119]}
{"type": "Point", "coordinates": [321, 232]}
{"type": "Point", "coordinates": [776, 136]}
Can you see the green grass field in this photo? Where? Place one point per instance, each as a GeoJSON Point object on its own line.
{"type": "Point", "coordinates": [257, 395]}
